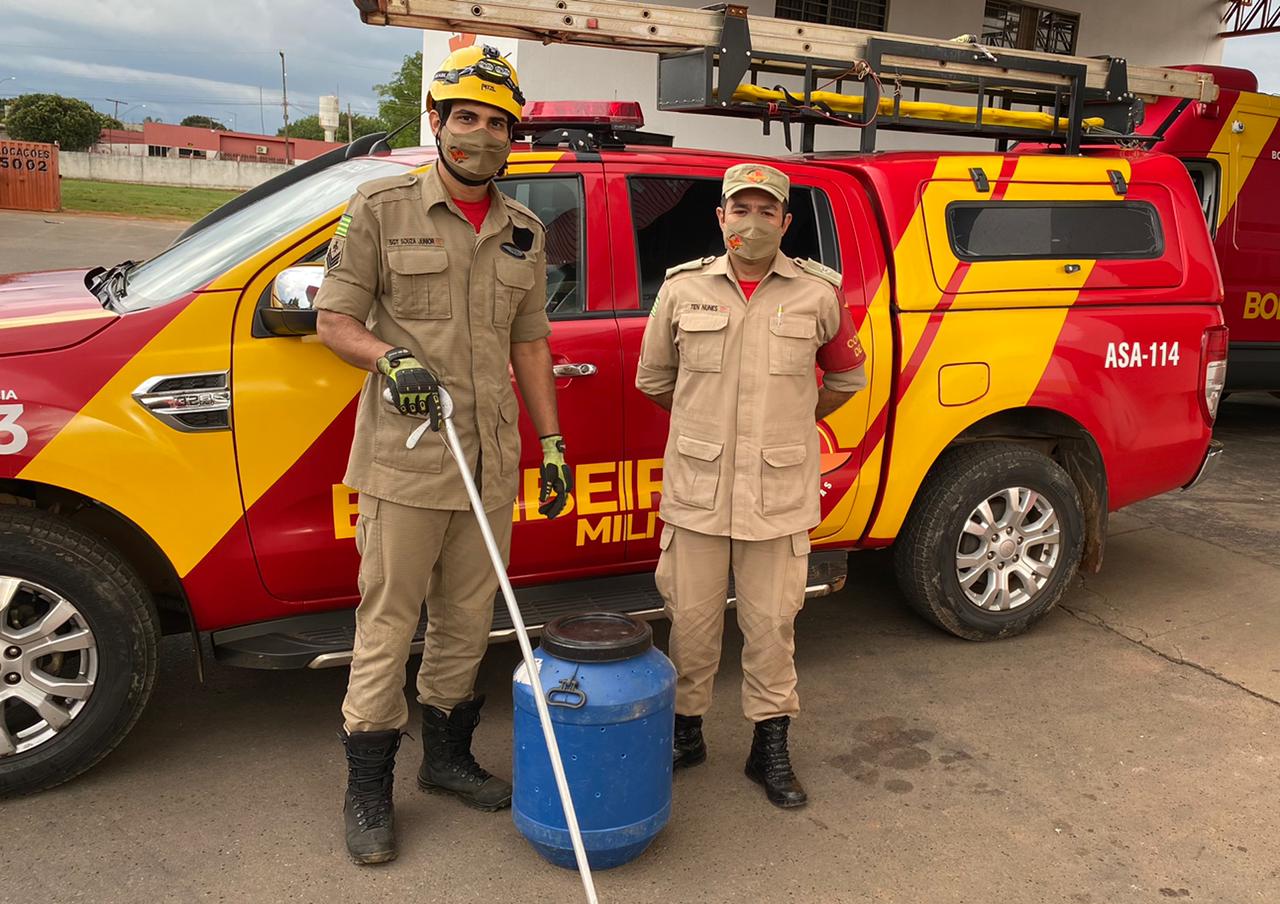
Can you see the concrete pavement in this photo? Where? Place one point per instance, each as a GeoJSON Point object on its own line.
{"type": "Point", "coordinates": [55, 241]}
{"type": "Point", "coordinates": [1104, 757]}
{"type": "Point", "coordinates": [1069, 765]}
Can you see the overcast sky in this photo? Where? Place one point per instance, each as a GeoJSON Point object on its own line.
{"type": "Point", "coordinates": [218, 56]}
{"type": "Point", "coordinates": [1261, 54]}
{"type": "Point", "coordinates": [211, 57]}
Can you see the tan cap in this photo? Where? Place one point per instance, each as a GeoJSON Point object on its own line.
{"type": "Point", "coordinates": [756, 175]}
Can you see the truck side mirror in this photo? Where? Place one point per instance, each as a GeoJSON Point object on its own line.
{"type": "Point", "coordinates": [287, 307]}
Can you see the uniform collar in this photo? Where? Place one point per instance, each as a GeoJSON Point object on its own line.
{"type": "Point", "coordinates": [434, 192]}
{"type": "Point", "coordinates": [782, 266]}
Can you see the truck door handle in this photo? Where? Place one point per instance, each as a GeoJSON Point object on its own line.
{"type": "Point", "coordinates": [574, 370]}
{"type": "Point", "coordinates": [1072, 268]}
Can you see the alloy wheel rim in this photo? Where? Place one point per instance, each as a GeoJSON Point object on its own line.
{"type": "Point", "coordinates": [48, 665]}
{"type": "Point", "coordinates": [1009, 548]}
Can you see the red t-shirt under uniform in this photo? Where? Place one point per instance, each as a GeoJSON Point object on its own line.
{"type": "Point", "coordinates": [474, 211]}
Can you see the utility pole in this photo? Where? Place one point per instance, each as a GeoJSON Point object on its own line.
{"type": "Point", "coordinates": [262, 113]}
{"type": "Point", "coordinates": [284, 95]}
{"type": "Point", "coordinates": [349, 138]}
{"type": "Point", "coordinates": [115, 114]}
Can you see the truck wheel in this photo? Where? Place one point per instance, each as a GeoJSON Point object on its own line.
{"type": "Point", "coordinates": [78, 637]}
{"type": "Point", "coordinates": [991, 542]}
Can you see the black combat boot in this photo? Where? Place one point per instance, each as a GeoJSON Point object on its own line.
{"type": "Point", "coordinates": [368, 810]}
{"type": "Point", "coordinates": [447, 763]}
{"type": "Point", "coordinates": [770, 764]}
{"type": "Point", "coordinates": [688, 748]}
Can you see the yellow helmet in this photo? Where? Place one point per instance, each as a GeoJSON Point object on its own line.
{"type": "Point", "coordinates": [479, 74]}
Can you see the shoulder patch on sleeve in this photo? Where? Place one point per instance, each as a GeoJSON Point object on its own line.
{"type": "Point", "coordinates": [689, 265]}
{"type": "Point", "coordinates": [822, 271]}
{"type": "Point", "coordinates": [374, 186]}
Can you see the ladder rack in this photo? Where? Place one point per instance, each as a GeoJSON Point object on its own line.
{"type": "Point", "coordinates": [708, 57]}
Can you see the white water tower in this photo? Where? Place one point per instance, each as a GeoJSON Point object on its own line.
{"type": "Point", "coordinates": [329, 115]}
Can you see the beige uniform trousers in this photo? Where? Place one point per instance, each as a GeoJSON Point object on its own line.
{"type": "Point", "coordinates": [769, 581]}
{"type": "Point", "coordinates": [409, 555]}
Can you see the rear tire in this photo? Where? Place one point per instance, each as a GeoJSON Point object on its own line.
{"type": "Point", "coordinates": [991, 542]}
{"type": "Point", "coordinates": [62, 712]}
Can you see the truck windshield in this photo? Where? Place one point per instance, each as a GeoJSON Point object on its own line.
{"type": "Point", "coordinates": [196, 261]}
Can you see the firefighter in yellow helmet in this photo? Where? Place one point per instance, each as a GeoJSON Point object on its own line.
{"type": "Point", "coordinates": [436, 278]}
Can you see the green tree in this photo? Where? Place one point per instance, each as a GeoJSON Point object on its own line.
{"type": "Point", "coordinates": [72, 123]}
{"type": "Point", "coordinates": [199, 121]}
{"type": "Point", "coordinates": [309, 127]}
{"type": "Point", "coordinates": [401, 100]}
{"type": "Point", "coordinates": [110, 122]}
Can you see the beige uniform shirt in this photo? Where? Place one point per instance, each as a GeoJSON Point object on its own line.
{"type": "Point", "coordinates": [742, 454]}
{"type": "Point", "coordinates": [408, 264]}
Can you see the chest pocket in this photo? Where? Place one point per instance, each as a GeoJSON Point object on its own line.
{"type": "Point", "coordinates": [701, 339]}
{"type": "Point", "coordinates": [420, 283]}
{"type": "Point", "coordinates": [515, 279]}
{"type": "Point", "coordinates": [792, 345]}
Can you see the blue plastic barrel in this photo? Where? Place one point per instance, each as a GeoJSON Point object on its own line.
{"type": "Point", "coordinates": [612, 700]}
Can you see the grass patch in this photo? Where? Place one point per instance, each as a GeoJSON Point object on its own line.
{"type": "Point", "coordinates": [142, 200]}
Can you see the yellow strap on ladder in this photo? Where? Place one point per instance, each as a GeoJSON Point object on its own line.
{"type": "Point", "coordinates": [848, 103]}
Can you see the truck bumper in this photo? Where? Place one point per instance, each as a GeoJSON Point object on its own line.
{"type": "Point", "coordinates": [1211, 458]}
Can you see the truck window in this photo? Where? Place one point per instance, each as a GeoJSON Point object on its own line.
{"type": "Point", "coordinates": [1205, 177]}
{"type": "Point", "coordinates": [557, 200]}
{"type": "Point", "coordinates": [193, 262]}
{"type": "Point", "coordinates": [675, 221]}
{"type": "Point", "coordinates": [1014, 230]}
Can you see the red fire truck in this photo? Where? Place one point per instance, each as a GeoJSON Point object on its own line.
{"type": "Point", "coordinates": [1231, 147]}
{"type": "Point", "coordinates": [1045, 344]}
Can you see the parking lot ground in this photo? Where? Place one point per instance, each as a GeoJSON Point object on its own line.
{"type": "Point", "coordinates": [1125, 750]}
{"type": "Point", "coordinates": [54, 241]}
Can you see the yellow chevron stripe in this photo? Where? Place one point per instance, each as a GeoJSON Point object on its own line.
{"type": "Point", "coordinates": [1017, 345]}
{"type": "Point", "coordinates": [59, 317]}
{"type": "Point", "coordinates": [270, 436]}
{"type": "Point", "coordinates": [847, 518]}
{"type": "Point", "coordinates": [849, 424]}
{"type": "Point", "coordinates": [179, 488]}
{"type": "Point", "coordinates": [1258, 113]}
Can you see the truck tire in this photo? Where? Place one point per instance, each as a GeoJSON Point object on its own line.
{"type": "Point", "coordinates": [78, 637]}
{"type": "Point", "coordinates": [991, 542]}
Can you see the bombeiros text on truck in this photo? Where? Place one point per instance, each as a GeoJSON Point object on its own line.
{"type": "Point", "coordinates": [1043, 330]}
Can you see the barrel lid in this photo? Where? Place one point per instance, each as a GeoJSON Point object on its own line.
{"type": "Point", "coordinates": [596, 637]}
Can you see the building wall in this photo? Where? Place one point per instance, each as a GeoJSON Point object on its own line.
{"type": "Point", "coordinates": [187, 172]}
{"type": "Point", "coordinates": [214, 143]}
{"type": "Point", "coordinates": [1146, 32]}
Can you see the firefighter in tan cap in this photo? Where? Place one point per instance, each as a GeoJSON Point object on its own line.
{"type": "Point", "coordinates": [436, 278]}
{"type": "Point", "coordinates": [730, 350]}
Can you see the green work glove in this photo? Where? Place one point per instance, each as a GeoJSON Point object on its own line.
{"type": "Point", "coordinates": [415, 391]}
{"type": "Point", "coordinates": [556, 477]}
